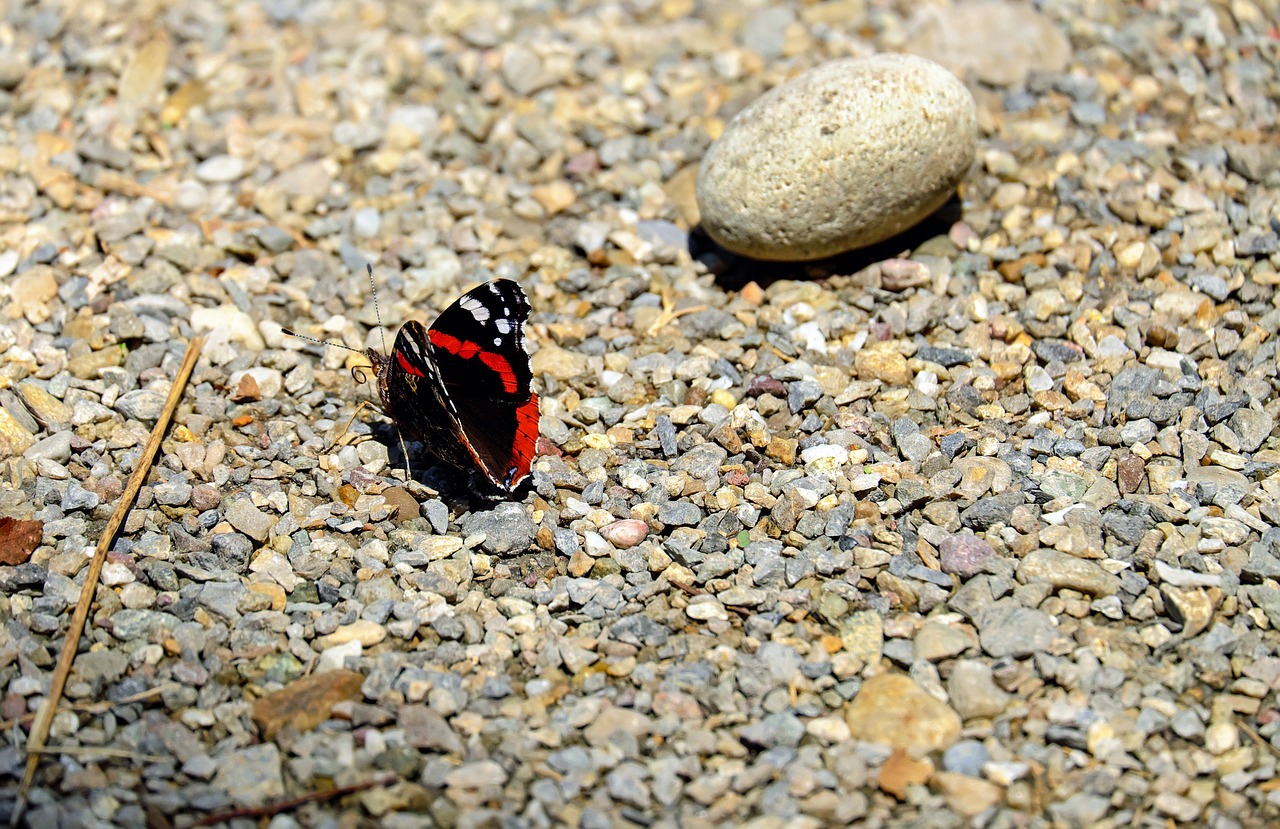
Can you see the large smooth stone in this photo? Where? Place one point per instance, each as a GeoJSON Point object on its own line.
{"type": "Point", "coordinates": [843, 156]}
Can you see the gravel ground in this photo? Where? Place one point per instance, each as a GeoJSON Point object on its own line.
{"type": "Point", "coordinates": [978, 527]}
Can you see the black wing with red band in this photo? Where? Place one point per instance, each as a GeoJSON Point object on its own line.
{"type": "Point", "coordinates": [464, 386]}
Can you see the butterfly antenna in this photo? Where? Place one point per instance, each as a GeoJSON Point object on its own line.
{"type": "Point", "coordinates": [358, 372]}
{"type": "Point", "coordinates": [293, 333]}
{"type": "Point", "coordinates": [374, 288]}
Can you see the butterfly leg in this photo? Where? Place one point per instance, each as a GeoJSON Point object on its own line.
{"type": "Point", "coordinates": [345, 428]}
{"type": "Point", "coordinates": [407, 470]}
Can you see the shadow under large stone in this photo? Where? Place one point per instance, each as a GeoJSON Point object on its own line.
{"type": "Point", "coordinates": [732, 271]}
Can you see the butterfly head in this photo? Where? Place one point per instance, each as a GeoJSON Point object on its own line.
{"type": "Point", "coordinates": [380, 366]}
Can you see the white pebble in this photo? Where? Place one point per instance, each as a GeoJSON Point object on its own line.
{"type": "Point", "coordinates": [115, 574]}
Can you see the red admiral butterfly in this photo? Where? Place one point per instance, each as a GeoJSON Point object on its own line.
{"type": "Point", "coordinates": [464, 386]}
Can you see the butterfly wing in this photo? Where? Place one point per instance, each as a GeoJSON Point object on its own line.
{"type": "Point", "coordinates": [478, 353]}
{"type": "Point", "coordinates": [412, 395]}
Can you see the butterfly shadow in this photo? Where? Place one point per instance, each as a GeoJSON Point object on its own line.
{"type": "Point", "coordinates": [462, 491]}
{"type": "Point", "coordinates": [733, 271]}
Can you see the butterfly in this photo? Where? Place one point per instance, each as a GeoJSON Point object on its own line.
{"type": "Point", "coordinates": [463, 386]}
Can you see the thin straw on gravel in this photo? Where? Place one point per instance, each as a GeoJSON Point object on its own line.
{"type": "Point", "coordinates": [44, 717]}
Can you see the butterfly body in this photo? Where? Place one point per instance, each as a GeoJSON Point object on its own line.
{"type": "Point", "coordinates": [464, 386]}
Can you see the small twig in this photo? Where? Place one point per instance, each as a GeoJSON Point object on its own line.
{"type": "Point", "coordinates": [294, 802]}
{"type": "Point", "coordinates": [780, 354]}
{"type": "Point", "coordinates": [107, 180]}
{"type": "Point", "coordinates": [95, 706]}
{"type": "Point", "coordinates": [44, 716]}
{"type": "Point", "coordinates": [101, 751]}
{"type": "Point", "coordinates": [404, 450]}
{"type": "Point", "coordinates": [1257, 738]}
{"type": "Point", "coordinates": [688, 588]}
{"type": "Point", "coordinates": [698, 591]}
{"type": "Point", "coordinates": [669, 313]}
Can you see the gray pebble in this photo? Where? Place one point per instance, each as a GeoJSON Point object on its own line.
{"type": "Point", "coordinates": [248, 519]}
{"type": "Point", "coordinates": [779, 729]}
{"type": "Point", "coordinates": [78, 498]}
{"type": "Point", "coordinates": [56, 447]}
{"type": "Point", "coordinates": [251, 776]}
{"type": "Point", "coordinates": [174, 493]}
{"type": "Point", "coordinates": [679, 514]}
{"type": "Point", "coordinates": [135, 624]}
{"type": "Point", "coordinates": [994, 509]}
{"type": "Point", "coordinates": [220, 169]}
{"type": "Point", "coordinates": [507, 529]}
{"type": "Point", "coordinates": [1251, 427]}
{"type": "Point", "coordinates": [275, 239]}
{"type": "Point", "coordinates": [966, 757]}
{"type": "Point", "coordinates": [141, 404]}
{"type": "Point", "coordinates": [1008, 629]}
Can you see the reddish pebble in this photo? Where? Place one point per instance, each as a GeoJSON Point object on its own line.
{"type": "Point", "coordinates": [205, 496]}
{"type": "Point", "coordinates": [247, 390]}
{"type": "Point", "coordinates": [546, 447]}
{"type": "Point", "coordinates": [963, 555]}
{"type": "Point", "coordinates": [12, 706]}
{"type": "Point", "coordinates": [625, 533]}
{"type": "Point", "coordinates": [764, 384]}
{"type": "Point", "coordinates": [900, 274]}
{"type": "Point", "coordinates": [1130, 471]}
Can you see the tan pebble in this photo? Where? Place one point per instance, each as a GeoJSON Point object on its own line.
{"type": "Point", "coordinates": [405, 505]}
{"type": "Point", "coordinates": [831, 730]}
{"type": "Point", "coordinates": [885, 363]}
{"type": "Point", "coordinates": [580, 564]}
{"type": "Point", "coordinates": [966, 795]}
{"type": "Point", "coordinates": [30, 294]}
{"type": "Point", "coordinates": [555, 196]}
{"type": "Point", "coordinates": [782, 450]}
{"type": "Point", "coordinates": [904, 129]}
{"type": "Point", "coordinates": [558, 362]}
{"type": "Point", "coordinates": [365, 632]}
{"type": "Point", "coordinates": [752, 293]}
{"type": "Point", "coordinates": [894, 710]}
{"type": "Point", "coordinates": [246, 390]}
{"type": "Point", "coordinates": [705, 608]}
{"type": "Point", "coordinates": [14, 438]}
{"type": "Point", "coordinates": [274, 592]}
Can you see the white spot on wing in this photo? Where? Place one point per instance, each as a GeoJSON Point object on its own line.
{"type": "Point", "coordinates": [476, 307]}
{"type": "Point", "coordinates": [411, 345]}
{"type": "Point", "coordinates": [504, 325]}
{"type": "Point", "coordinates": [497, 341]}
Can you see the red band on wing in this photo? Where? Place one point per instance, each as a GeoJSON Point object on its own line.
{"type": "Point", "coordinates": [408, 366]}
{"type": "Point", "coordinates": [526, 440]}
{"type": "Point", "coordinates": [467, 350]}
